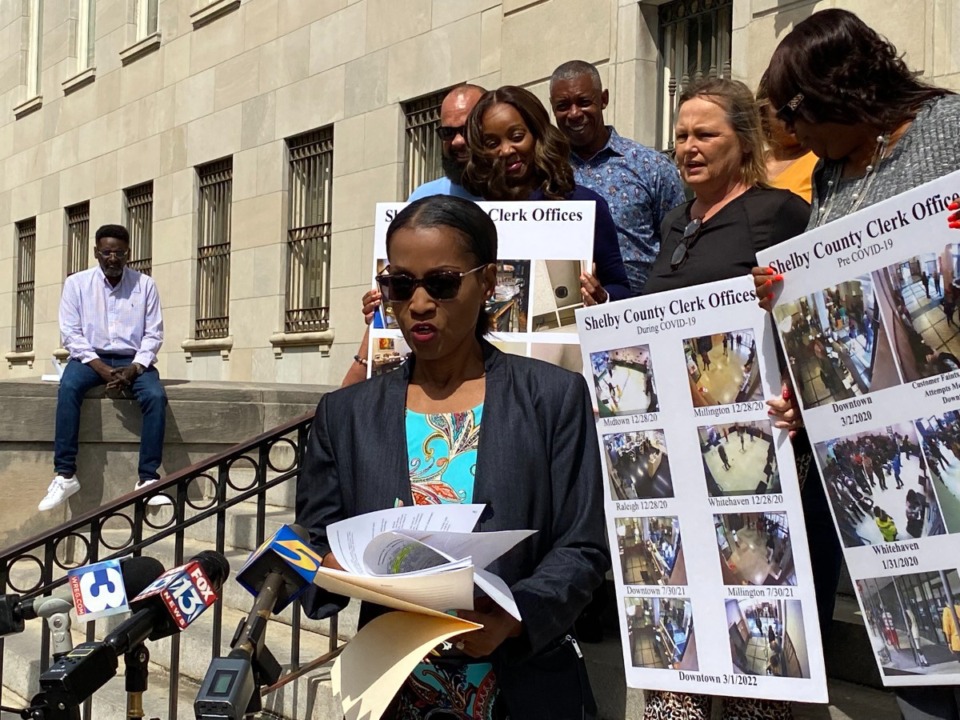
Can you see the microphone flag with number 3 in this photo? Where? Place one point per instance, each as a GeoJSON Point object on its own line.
{"type": "Point", "coordinates": [98, 590]}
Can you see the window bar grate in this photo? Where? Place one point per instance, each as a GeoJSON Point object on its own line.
{"type": "Point", "coordinates": [78, 237]}
{"type": "Point", "coordinates": [26, 278]}
{"type": "Point", "coordinates": [213, 250]}
{"type": "Point", "coordinates": [695, 38]}
{"type": "Point", "coordinates": [309, 232]}
{"type": "Point", "coordinates": [423, 156]}
{"type": "Point", "coordinates": [139, 202]}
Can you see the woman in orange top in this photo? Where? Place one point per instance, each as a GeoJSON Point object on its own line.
{"type": "Point", "coordinates": [789, 165]}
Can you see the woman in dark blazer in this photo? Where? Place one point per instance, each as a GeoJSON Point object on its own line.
{"type": "Point", "coordinates": [535, 464]}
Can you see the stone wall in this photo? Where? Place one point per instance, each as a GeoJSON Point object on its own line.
{"type": "Point", "coordinates": [203, 418]}
{"type": "Point", "coordinates": [265, 70]}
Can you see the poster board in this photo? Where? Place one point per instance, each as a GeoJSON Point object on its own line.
{"type": "Point", "coordinates": [862, 315]}
{"type": "Point", "coordinates": [703, 511]}
{"type": "Point", "coordinates": [543, 247]}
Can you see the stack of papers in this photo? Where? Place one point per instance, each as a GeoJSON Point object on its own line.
{"type": "Point", "coordinates": [423, 560]}
{"type": "Point", "coordinates": [424, 556]}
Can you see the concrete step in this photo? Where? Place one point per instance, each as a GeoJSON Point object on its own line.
{"type": "Point", "coordinates": [240, 527]}
{"type": "Point", "coordinates": [849, 701]}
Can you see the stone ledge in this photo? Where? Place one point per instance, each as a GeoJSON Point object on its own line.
{"type": "Point", "coordinates": [221, 345]}
{"type": "Point", "coordinates": [198, 412]}
{"type": "Point", "coordinates": [28, 106]}
{"type": "Point", "coordinates": [21, 358]}
{"type": "Point", "coordinates": [323, 340]}
{"type": "Point", "coordinates": [140, 48]}
{"type": "Point", "coordinates": [212, 11]}
{"type": "Point", "coordinates": [79, 80]}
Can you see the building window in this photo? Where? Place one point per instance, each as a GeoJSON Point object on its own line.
{"type": "Point", "coordinates": [423, 156]}
{"type": "Point", "coordinates": [138, 202]}
{"type": "Point", "coordinates": [26, 276]}
{"type": "Point", "coordinates": [695, 43]}
{"type": "Point", "coordinates": [85, 34]}
{"type": "Point", "coordinates": [213, 249]}
{"type": "Point", "coordinates": [308, 232]}
{"type": "Point", "coordinates": [78, 237]}
{"type": "Point", "coordinates": [146, 17]}
{"type": "Point", "coordinates": [34, 48]}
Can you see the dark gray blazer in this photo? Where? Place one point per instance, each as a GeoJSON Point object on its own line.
{"type": "Point", "coordinates": [538, 467]}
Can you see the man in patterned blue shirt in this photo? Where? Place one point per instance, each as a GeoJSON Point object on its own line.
{"type": "Point", "coordinates": [639, 184]}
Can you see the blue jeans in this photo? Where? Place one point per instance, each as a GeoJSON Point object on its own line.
{"type": "Point", "coordinates": [76, 381]}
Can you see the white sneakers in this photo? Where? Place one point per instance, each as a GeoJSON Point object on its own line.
{"type": "Point", "coordinates": [156, 500]}
{"type": "Point", "coordinates": [60, 489]}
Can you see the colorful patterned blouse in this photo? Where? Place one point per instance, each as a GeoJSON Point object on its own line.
{"type": "Point", "coordinates": [442, 452]}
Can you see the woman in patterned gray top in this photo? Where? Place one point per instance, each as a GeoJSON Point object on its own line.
{"type": "Point", "coordinates": [850, 98]}
{"type": "Point", "coordinates": [879, 131]}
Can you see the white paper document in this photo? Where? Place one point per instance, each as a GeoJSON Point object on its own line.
{"type": "Point", "coordinates": [704, 518]}
{"type": "Point", "coordinates": [424, 555]}
{"type": "Point", "coordinates": [867, 315]}
{"type": "Point", "coordinates": [349, 538]}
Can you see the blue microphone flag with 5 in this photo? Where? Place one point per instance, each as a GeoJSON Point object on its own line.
{"type": "Point", "coordinates": [287, 551]}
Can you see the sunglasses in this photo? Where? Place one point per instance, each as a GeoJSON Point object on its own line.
{"type": "Point", "coordinates": [440, 285]}
{"type": "Point", "coordinates": [788, 113]}
{"type": "Point", "coordinates": [690, 234]}
{"type": "Point", "coordinates": [107, 254]}
{"type": "Point", "coordinates": [449, 133]}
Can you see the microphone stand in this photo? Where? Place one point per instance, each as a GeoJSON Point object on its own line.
{"type": "Point", "coordinates": [56, 611]}
{"type": "Point", "coordinates": [40, 709]}
{"type": "Point", "coordinates": [135, 663]}
{"type": "Point", "coordinates": [231, 686]}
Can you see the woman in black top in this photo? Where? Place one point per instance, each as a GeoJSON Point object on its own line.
{"type": "Point", "coordinates": [734, 213]}
{"type": "Point", "coordinates": [716, 236]}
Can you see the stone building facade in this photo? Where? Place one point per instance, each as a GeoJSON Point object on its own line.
{"type": "Point", "coordinates": [246, 142]}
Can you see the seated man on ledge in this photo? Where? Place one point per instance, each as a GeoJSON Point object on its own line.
{"type": "Point", "coordinates": [112, 327]}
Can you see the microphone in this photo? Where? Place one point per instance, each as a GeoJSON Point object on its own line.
{"type": "Point", "coordinates": [172, 602]}
{"type": "Point", "coordinates": [167, 606]}
{"type": "Point", "coordinates": [95, 590]}
{"type": "Point", "coordinates": [276, 573]}
{"type": "Point", "coordinates": [287, 553]}
{"type": "Point", "coordinates": [102, 589]}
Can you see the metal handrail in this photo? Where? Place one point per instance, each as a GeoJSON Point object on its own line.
{"type": "Point", "coordinates": [46, 550]}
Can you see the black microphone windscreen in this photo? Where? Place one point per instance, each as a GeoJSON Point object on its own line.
{"type": "Point", "coordinates": [215, 566]}
{"type": "Point", "coordinates": [138, 573]}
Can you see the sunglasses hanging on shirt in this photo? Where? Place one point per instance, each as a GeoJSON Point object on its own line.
{"type": "Point", "coordinates": [690, 234]}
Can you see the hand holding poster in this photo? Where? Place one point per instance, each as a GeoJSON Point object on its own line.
{"type": "Point", "coordinates": [866, 314]}
{"type": "Point", "coordinates": [703, 505]}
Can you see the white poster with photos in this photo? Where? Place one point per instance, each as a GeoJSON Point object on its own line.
{"type": "Point", "coordinates": [542, 246]}
{"type": "Point", "coordinates": [867, 316]}
{"type": "Point", "coordinates": [703, 507]}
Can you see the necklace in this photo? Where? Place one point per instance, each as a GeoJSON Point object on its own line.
{"type": "Point", "coordinates": [863, 188]}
